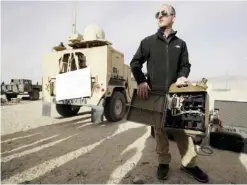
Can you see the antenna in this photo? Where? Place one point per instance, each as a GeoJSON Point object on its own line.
{"type": "Point", "coordinates": [226, 80]}
{"type": "Point", "coordinates": [75, 36]}
{"type": "Point", "coordinates": [74, 31]}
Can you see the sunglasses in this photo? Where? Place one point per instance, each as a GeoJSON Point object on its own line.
{"type": "Point", "coordinates": [163, 13]}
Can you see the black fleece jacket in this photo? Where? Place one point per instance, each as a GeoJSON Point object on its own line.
{"type": "Point", "coordinates": [167, 59]}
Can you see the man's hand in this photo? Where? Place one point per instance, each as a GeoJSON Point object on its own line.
{"type": "Point", "coordinates": [182, 82]}
{"type": "Point", "coordinates": [142, 90]}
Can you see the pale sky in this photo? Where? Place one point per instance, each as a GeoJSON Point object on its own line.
{"type": "Point", "coordinates": [215, 32]}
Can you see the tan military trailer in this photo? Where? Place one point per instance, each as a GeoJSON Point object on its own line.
{"type": "Point", "coordinates": [87, 72]}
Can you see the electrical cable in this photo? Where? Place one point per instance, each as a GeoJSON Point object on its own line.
{"type": "Point", "coordinates": [204, 148]}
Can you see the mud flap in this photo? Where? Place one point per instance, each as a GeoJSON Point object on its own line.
{"type": "Point", "coordinates": [46, 109]}
{"type": "Point", "coordinates": [97, 115]}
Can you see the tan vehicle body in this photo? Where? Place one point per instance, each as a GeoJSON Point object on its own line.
{"type": "Point", "coordinates": [108, 72]}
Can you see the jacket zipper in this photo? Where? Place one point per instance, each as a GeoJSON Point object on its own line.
{"type": "Point", "coordinates": [167, 65]}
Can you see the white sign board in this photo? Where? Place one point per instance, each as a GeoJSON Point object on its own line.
{"type": "Point", "coordinates": [73, 84]}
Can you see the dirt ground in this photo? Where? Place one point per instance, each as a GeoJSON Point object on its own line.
{"type": "Point", "coordinates": [36, 149]}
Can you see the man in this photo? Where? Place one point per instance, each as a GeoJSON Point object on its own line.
{"type": "Point", "coordinates": [167, 63]}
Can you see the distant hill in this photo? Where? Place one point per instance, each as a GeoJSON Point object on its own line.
{"type": "Point", "coordinates": [229, 82]}
{"type": "Point", "coordinates": [223, 78]}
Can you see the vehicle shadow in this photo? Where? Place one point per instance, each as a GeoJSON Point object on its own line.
{"type": "Point", "coordinates": [78, 115]}
{"type": "Point", "coordinates": [22, 102]}
{"type": "Point", "coordinates": [18, 139]}
{"type": "Point", "coordinates": [95, 165]}
{"type": "Point", "coordinates": [77, 151]}
{"type": "Point", "coordinates": [24, 150]}
{"type": "Point", "coordinates": [222, 166]}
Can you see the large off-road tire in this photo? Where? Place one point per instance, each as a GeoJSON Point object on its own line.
{"type": "Point", "coordinates": [34, 95]}
{"type": "Point", "coordinates": [67, 110]}
{"type": "Point", "coordinates": [9, 96]}
{"type": "Point", "coordinates": [115, 106]}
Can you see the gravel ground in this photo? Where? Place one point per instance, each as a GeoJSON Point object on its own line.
{"type": "Point", "coordinates": [36, 149]}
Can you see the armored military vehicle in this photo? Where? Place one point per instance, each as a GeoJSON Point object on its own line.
{"type": "Point", "coordinates": [21, 87]}
{"type": "Point", "coordinates": [88, 72]}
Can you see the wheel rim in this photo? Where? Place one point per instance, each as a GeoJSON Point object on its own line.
{"type": "Point", "coordinates": [118, 107]}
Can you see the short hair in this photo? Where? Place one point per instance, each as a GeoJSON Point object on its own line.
{"type": "Point", "coordinates": [173, 10]}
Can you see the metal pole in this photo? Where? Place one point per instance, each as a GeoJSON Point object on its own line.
{"type": "Point", "coordinates": [74, 31]}
{"type": "Point", "coordinates": [226, 80]}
